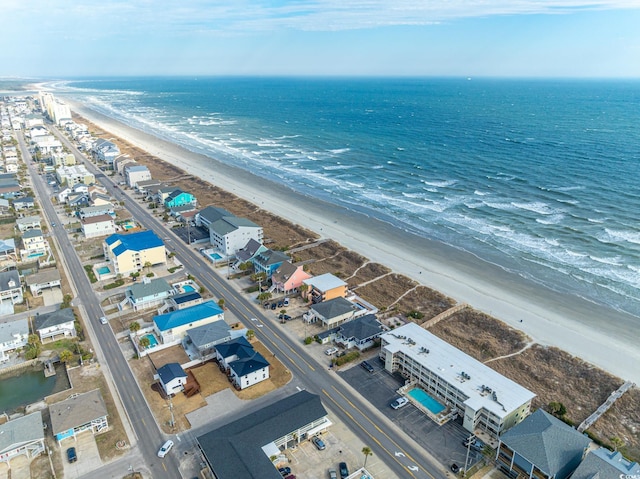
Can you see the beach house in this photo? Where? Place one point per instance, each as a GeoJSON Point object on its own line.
{"type": "Point", "coordinates": [179, 198]}
{"type": "Point", "coordinates": [72, 175]}
{"type": "Point", "coordinates": [77, 414]}
{"type": "Point", "coordinates": [541, 446]}
{"type": "Point", "coordinates": [28, 223]}
{"type": "Point", "coordinates": [228, 233]}
{"type": "Point", "coordinates": [130, 253]}
{"type": "Point", "coordinates": [248, 252]}
{"type": "Point", "coordinates": [172, 327]}
{"type": "Point", "coordinates": [172, 378]}
{"type": "Point", "coordinates": [33, 244]}
{"type": "Point", "coordinates": [8, 249]}
{"type": "Point", "coordinates": [105, 151]}
{"type": "Point", "coordinates": [13, 335]}
{"type": "Point", "coordinates": [96, 226]}
{"type": "Point", "coordinates": [22, 435]}
{"type": "Point", "coordinates": [10, 287]}
{"type": "Point", "coordinates": [205, 338]}
{"type": "Point", "coordinates": [148, 293]}
{"type": "Point", "coordinates": [361, 332]}
{"type": "Point", "coordinates": [324, 287]}
{"type": "Point", "coordinates": [602, 463]}
{"type": "Point", "coordinates": [331, 312]}
{"type": "Point", "coordinates": [269, 261]}
{"type": "Point", "coordinates": [54, 325]}
{"type": "Point", "coordinates": [288, 277]}
{"type": "Point", "coordinates": [135, 173]}
{"type": "Point", "coordinates": [44, 279]}
{"type": "Point", "coordinates": [243, 365]}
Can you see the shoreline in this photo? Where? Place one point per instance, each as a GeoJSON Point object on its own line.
{"type": "Point", "coordinates": [595, 333]}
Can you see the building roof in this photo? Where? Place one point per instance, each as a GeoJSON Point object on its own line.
{"type": "Point", "coordinates": [270, 257]}
{"type": "Point", "coordinates": [144, 289]}
{"type": "Point", "coordinates": [284, 272]}
{"type": "Point", "coordinates": [248, 365]}
{"type": "Point", "coordinates": [7, 245]}
{"type": "Point", "coordinates": [333, 308]}
{"type": "Point", "coordinates": [251, 248]}
{"type": "Point", "coordinates": [604, 464]}
{"type": "Point", "coordinates": [43, 276]}
{"type": "Point", "coordinates": [21, 430]}
{"type": "Point", "coordinates": [546, 442]}
{"type": "Point", "coordinates": [33, 233]}
{"type": "Point", "coordinates": [9, 280]}
{"type": "Point", "coordinates": [10, 329]}
{"type": "Point", "coordinates": [134, 241]}
{"type": "Point", "coordinates": [136, 168]}
{"type": "Point", "coordinates": [27, 220]}
{"type": "Point", "coordinates": [212, 214]}
{"type": "Point", "coordinates": [449, 363]}
{"type": "Point", "coordinates": [361, 328]}
{"type": "Point", "coordinates": [76, 411]}
{"type": "Point", "coordinates": [325, 282]}
{"type": "Point", "coordinates": [186, 297]}
{"type": "Point", "coordinates": [97, 219]}
{"type": "Point", "coordinates": [95, 209]}
{"type": "Point", "coordinates": [171, 371]}
{"type": "Point", "coordinates": [55, 318]}
{"type": "Point", "coordinates": [238, 347]}
{"type": "Point", "coordinates": [235, 450]}
{"type": "Point", "coordinates": [208, 335]}
{"type": "Point", "coordinates": [181, 317]}
{"type": "Point", "coordinates": [26, 200]}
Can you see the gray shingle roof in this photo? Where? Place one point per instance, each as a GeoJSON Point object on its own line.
{"type": "Point", "coordinates": [171, 371]}
{"type": "Point", "coordinates": [76, 411]}
{"type": "Point", "coordinates": [333, 308]}
{"type": "Point", "coordinates": [209, 335]}
{"type": "Point", "coordinates": [9, 329]}
{"type": "Point", "coordinates": [605, 464]}
{"type": "Point", "coordinates": [244, 366]}
{"type": "Point", "coordinates": [22, 430]}
{"type": "Point", "coordinates": [546, 442]}
{"type": "Point", "coordinates": [55, 318]}
{"type": "Point", "coordinates": [235, 451]}
{"type": "Point", "coordinates": [364, 327]}
{"type": "Point", "coordinates": [153, 287]}
{"type": "Point", "coordinates": [9, 280]}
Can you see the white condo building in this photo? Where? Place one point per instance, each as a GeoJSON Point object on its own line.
{"type": "Point", "coordinates": [487, 401]}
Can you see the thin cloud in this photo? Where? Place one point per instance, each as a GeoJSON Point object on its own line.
{"type": "Point", "coordinates": [239, 16]}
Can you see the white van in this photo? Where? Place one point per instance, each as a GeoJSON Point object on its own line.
{"type": "Point", "coordinates": [166, 447]}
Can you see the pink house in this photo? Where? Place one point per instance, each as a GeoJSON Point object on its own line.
{"type": "Point", "coordinates": [288, 277]}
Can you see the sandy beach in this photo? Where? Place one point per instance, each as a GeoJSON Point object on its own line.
{"type": "Point", "coordinates": [601, 336]}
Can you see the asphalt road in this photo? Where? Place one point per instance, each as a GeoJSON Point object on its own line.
{"type": "Point", "coordinates": [401, 454]}
{"type": "Point", "coordinates": [149, 436]}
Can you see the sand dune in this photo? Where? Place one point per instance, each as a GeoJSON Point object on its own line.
{"type": "Point", "coordinates": [599, 335]}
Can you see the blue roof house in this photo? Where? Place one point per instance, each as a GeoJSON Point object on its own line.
{"type": "Point", "coordinates": [172, 327]}
{"type": "Point", "coordinates": [243, 364]}
{"type": "Point", "coordinates": [172, 378]}
{"type": "Point", "coordinates": [269, 261]}
{"type": "Point", "coordinates": [130, 253]}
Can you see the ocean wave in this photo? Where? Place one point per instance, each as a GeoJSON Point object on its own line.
{"type": "Point", "coordinates": [481, 193]}
{"type": "Point", "coordinates": [614, 236]}
{"type": "Point", "coordinates": [536, 207]}
{"type": "Point", "coordinates": [339, 151]}
{"type": "Point", "coordinates": [551, 220]}
{"type": "Point", "coordinates": [439, 183]}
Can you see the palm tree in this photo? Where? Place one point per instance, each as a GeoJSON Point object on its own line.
{"type": "Point", "coordinates": [250, 334]}
{"type": "Point", "coordinates": [221, 303]}
{"type": "Point", "coordinates": [144, 342]}
{"type": "Point", "coordinates": [366, 450]}
{"type": "Point", "coordinates": [134, 327]}
{"type": "Point", "coordinates": [66, 356]}
{"type": "Point", "coordinates": [147, 265]}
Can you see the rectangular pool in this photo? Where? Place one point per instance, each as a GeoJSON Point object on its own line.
{"type": "Point", "coordinates": [104, 270]}
{"type": "Point", "coordinates": [153, 342]}
{"type": "Point", "coordinates": [427, 401]}
{"type": "Point", "coordinates": [215, 256]}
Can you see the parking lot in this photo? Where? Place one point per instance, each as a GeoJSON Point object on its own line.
{"type": "Point", "coordinates": [444, 443]}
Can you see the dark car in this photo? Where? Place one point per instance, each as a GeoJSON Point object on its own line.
{"type": "Point", "coordinates": [344, 470]}
{"type": "Point", "coordinates": [71, 454]}
{"type": "Point", "coordinates": [455, 468]}
{"type": "Point", "coordinates": [273, 305]}
{"type": "Point", "coordinates": [367, 366]}
{"type": "Point", "coordinates": [284, 471]}
{"type": "Point", "coordinates": [319, 443]}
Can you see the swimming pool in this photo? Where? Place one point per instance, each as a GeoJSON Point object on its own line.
{"type": "Point", "coordinates": [215, 256]}
{"type": "Point", "coordinates": [153, 342]}
{"type": "Point", "coordinates": [104, 270]}
{"type": "Point", "coordinates": [187, 288]}
{"type": "Point", "coordinates": [35, 255]}
{"type": "Point", "coordinates": [427, 401]}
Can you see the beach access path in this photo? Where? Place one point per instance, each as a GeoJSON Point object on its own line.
{"type": "Point", "coordinates": [599, 335]}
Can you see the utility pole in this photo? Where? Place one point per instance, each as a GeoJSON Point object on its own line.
{"type": "Point", "coordinates": [466, 459]}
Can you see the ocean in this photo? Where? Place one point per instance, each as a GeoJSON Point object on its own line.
{"type": "Point", "coordinates": [539, 177]}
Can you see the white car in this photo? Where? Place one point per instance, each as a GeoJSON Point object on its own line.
{"type": "Point", "coordinates": [166, 447]}
{"type": "Point", "coordinates": [331, 351]}
{"type": "Point", "coordinates": [103, 320]}
{"type": "Point", "coordinates": [400, 402]}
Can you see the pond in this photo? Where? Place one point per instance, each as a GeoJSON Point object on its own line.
{"type": "Point", "coordinates": [26, 386]}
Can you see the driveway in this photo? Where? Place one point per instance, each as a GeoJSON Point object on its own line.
{"type": "Point", "coordinates": [87, 452]}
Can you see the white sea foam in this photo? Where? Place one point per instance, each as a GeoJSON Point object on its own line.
{"type": "Point", "coordinates": [551, 220]}
{"type": "Point", "coordinates": [439, 183]}
{"type": "Point", "coordinates": [614, 236]}
{"type": "Point", "coordinates": [339, 151]}
{"type": "Point", "coordinates": [481, 193]}
{"type": "Point", "coordinates": [536, 207]}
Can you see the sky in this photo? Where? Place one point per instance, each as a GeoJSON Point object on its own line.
{"type": "Point", "coordinates": [487, 38]}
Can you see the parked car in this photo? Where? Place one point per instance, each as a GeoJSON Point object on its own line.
{"type": "Point", "coordinates": [274, 305]}
{"type": "Point", "coordinates": [455, 468]}
{"type": "Point", "coordinates": [284, 471]}
{"type": "Point", "coordinates": [331, 351]}
{"type": "Point", "coordinates": [166, 447]}
{"type": "Point", "coordinates": [344, 470]}
{"type": "Point", "coordinates": [285, 302]}
{"type": "Point", "coordinates": [280, 304]}
{"type": "Point", "coordinates": [319, 443]}
{"type": "Point", "coordinates": [71, 454]}
{"type": "Point", "coordinates": [333, 474]}
{"type": "Point", "coordinates": [398, 403]}
{"type": "Point", "coordinates": [367, 366]}
{"type": "Point", "coordinates": [290, 476]}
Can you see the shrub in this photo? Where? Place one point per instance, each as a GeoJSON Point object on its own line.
{"type": "Point", "coordinates": [308, 340]}
{"type": "Point", "coordinates": [352, 356]}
